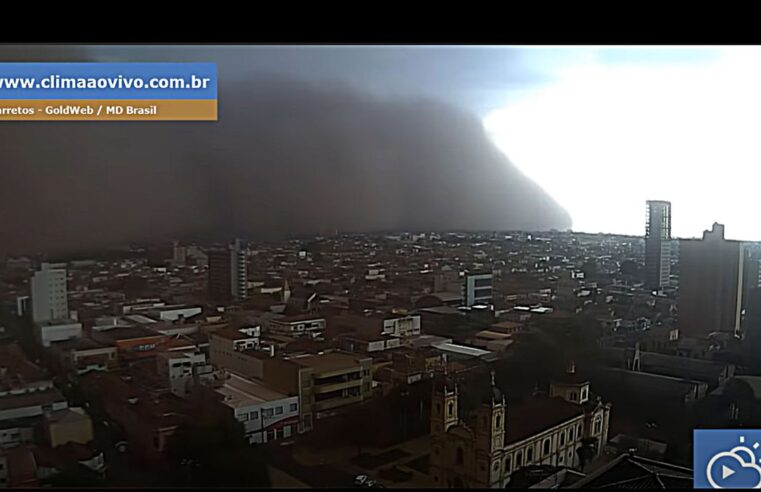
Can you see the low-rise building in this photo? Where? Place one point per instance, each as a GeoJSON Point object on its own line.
{"type": "Point", "coordinates": [298, 325]}
{"type": "Point", "coordinates": [324, 382]}
{"type": "Point", "coordinates": [181, 369]}
{"type": "Point", "coordinates": [365, 342]}
{"type": "Point", "coordinates": [48, 332]}
{"type": "Point", "coordinates": [25, 390]}
{"type": "Point", "coordinates": [68, 425]}
{"type": "Point", "coordinates": [85, 354]}
{"type": "Point", "coordinates": [131, 342]}
{"type": "Point", "coordinates": [266, 415]}
{"type": "Point", "coordinates": [147, 418]}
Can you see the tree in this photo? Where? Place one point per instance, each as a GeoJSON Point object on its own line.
{"type": "Point", "coordinates": [215, 452]}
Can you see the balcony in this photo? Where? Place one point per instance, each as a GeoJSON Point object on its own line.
{"type": "Point", "coordinates": [335, 403]}
{"type": "Point", "coordinates": [327, 388]}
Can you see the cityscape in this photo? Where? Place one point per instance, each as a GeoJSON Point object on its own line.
{"type": "Point", "coordinates": [370, 271]}
{"type": "Point", "coordinates": [492, 359]}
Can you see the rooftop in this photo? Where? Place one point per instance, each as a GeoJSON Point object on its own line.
{"type": "Point", "coordinates": [242, 392]}
{"type": "Point", "coordinates": [460, 349]}
{"type": "Point", "coordinates": [634, 472]}
{"type": "Point", "coordinates": [84, 343]}
{"type": "Point", "coordinates": [327, 362]}
{"type": "Point", "coordinates": [296, 318]}
{"type": "Point", "coordinates": [125, 333]}
{"type": "Point", "coordinates": [16, 363]}
{"type": "Point", "coordinates": [537, 414]}
{"type": "Point", "coordinates": [34, 398]}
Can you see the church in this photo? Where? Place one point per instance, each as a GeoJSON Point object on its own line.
{"type": "Point", "coordinates": [484, 445]}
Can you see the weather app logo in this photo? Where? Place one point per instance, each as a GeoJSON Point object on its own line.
{"type": "Point", "coordinates": [727, 459]}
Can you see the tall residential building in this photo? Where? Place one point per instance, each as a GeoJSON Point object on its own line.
{"type": "Point", "coordinates": [658, 244]}
{"type": "Point", "coordinates": [477, 289]}
{"type": "Point", "coordinates": [710, 284]}
{"type": "Point", "coordinates": [179, 254]}
{"type": "Point", "coordinates": [49, 296]}
{"type": "Point", "coordinates": [227, 273]}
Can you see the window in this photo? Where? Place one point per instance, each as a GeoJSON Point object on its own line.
{"type": "Point", "coordinates": [570, 434]}
{"type": "Point", "coordinates": [499, 420]}
{"type": "Point", "coordinates": [518, 460]}
{"type": "Point", "coordinates": [278, 410]}
{"type": "Point", "coordinates": [578, 431]}
{"type": "Point", "coordinates": [530, 454]}
{"type": "Point", "coordinates": [267, 413]}
{"type": "Point", "coordinates": [460, 456]}
{"type": "Point", "coordinates": [287, 431]}
{"type": "Point", "coordinates": [294, 407]}
{"type": "Point", "coordinates": [255, 415]}
{"type": "Point", "coordinates": [562, 438]}
{"type": "Point", "coordinates": [546, 447]}
{"type": "Point", "coordinates": [450, 409]}
{"type": "Point", "coordinates": [271, 435]}
{"type": "Point", "coordinates": [598, 424]}
{"type": "Point", "coordinates": [574, 396]}
{"type": "Point", "coordinates": [507, 465]}
{"type": "Point", "coordinates": [243, 417]}
{"type": "Point", "coordinates": [584, 394]}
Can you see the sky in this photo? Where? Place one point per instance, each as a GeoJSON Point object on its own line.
{"type": "Point", "coordinates": [601, 129]}
{"type": "Point", "coordinates": [412, 132]}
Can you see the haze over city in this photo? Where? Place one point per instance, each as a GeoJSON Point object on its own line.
{"type": "Point", "coordinates": [598, 129]}
{"type": "Point", "coordinates": [379, 267]}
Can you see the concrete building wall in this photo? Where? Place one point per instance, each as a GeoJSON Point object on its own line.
{"type": "Point", "coordinates": [478, 289]}
{"type": "Point", "coordinates": [49, 293]}
{"type": "Point", "coordinates": [79, 431]}
{"type": "Point", "coordinates": [48, 334]}
{"type": "Point", "coordinates": [222, 353]}
{"type": "Point", "coordinates": [12, 436]}
{"type": "Point", "coordinates": [31, 410]}
{"type": "Point", "coordinates": [658, 244]}
{"type": "Point", "coordinates": [710, 284]}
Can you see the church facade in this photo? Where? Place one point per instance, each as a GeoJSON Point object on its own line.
{"type": "Point", "coordinates": [487, 445]}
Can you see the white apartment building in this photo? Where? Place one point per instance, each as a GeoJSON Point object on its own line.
{"type": "Point", "coordinates": [49, 293]}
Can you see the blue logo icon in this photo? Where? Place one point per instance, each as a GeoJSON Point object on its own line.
{"type": "Point", "coordinates": [727, 459]}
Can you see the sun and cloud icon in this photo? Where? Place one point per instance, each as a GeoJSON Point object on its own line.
{"type": "Point", "coordinates": [736, 468]}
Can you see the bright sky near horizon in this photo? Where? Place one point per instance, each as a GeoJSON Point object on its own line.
{"type": "Point", "coordinates": [605, 137]}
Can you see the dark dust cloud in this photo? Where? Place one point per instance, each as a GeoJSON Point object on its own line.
{"type": "Point", "coordinates": [285, 157]}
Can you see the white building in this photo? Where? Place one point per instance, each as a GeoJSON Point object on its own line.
{"type": "Point", "coordinates": [405, 326]}
{"type": "Point", "coordinates": [57, 331]}
{"type": "Point", "coordinates": [298, 325]}
{"type": "Point", "coordinates": [179, 368]}
{"type": "Point", "coordinates": [478, 289]}
{"type": "Point", "coordinates": [49, 295]}
{"type": "Point", "coordinates": [266, 415]}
